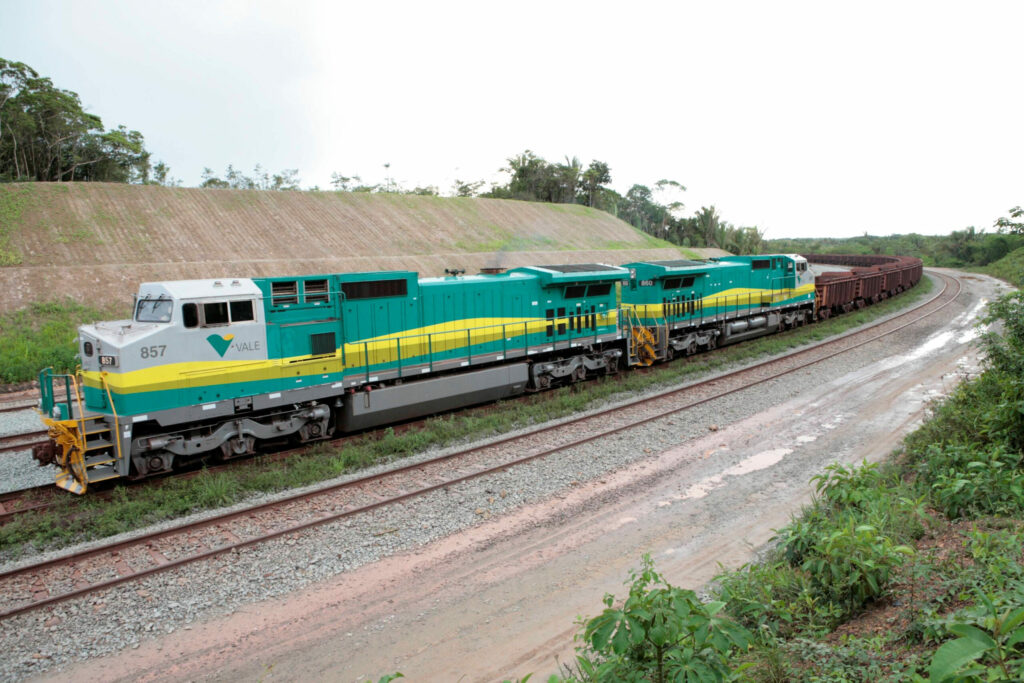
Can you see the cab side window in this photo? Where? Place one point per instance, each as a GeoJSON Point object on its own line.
{"type": "Point", "coordinates": [241, 311]}
{"type": "Point", "coordinates": [215, 313]}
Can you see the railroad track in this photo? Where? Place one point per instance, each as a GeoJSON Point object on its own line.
{"type": "Point", "coordinates": [21, 442]}
{"type": "Point", "coordinates": [35, 499]}
{"type": "Point", "coordinates": [45, 583]}
{"type": "Point", "coordinates": [17, 405]}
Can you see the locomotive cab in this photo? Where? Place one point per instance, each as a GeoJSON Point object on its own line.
{"type": "Point", "coordinates": [803, 275]}
{"type": "Point", "coordinates": [167, 342]}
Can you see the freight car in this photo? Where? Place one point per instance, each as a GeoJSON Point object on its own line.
{"type": "Point", "coordinates": [213, 368]}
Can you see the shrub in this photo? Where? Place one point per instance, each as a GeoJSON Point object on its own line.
{"type": "Point", "coordinates": [661, 633]}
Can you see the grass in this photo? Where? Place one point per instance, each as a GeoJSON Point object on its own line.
{"type": "Point", "coordinates": [81, 519]}
{"type": "Point", "coordinates": [14, 200]}
{"type": "Point", "coordinates": [43, 335]}
{"type": "Point", "coordinates": [1009, 268]}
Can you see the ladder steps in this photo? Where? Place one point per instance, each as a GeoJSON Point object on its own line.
{"type": "Point", "coordinates": [101, 474]}
{"type": "Point", "coordinates": [98, 444]}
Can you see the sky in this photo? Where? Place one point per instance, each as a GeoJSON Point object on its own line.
{"type": "Point", "coordinates": [806, 119]}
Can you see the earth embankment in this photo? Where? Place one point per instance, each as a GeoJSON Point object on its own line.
{"type": "Point", "coordinates": [95, 242]}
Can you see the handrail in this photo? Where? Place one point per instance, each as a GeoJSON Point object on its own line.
{"type": "Point", "coordinates": [116, 434]}
{"type": "Point", "coordinates": [78, 401]}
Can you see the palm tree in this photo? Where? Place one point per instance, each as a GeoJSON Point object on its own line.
{"type": "Point", "coordinates": [569, 179]}
{"type": "Point", "coordinates": [708, 224]}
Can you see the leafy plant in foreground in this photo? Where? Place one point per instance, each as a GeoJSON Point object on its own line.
{"type": "Point", "coordinates": [990, 649]}
{"type": "Point", "coordinates": [853, 564]}
{"type": "Point", "coordinates": [661, 633]}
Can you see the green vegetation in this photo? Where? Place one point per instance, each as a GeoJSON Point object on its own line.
{"type": "Point", "coordinates": [13, 203]}
{"type": "Point", "coordinates": [1009, 268]}
{"type": "Point", "coordinates": [968, 248]}
{"type": "Point", "coordinates": [909, 571]}
{"type": "Point", "coordinates": [43, 335]}
{"type": "Point", "coordinates": [534, 179]}
{"type": "Point", "coordinates": [48, 136]}
{"type": "Point", "coordinates": [660, 633]}
{"type": "Point", "coordinates": [85, 518]}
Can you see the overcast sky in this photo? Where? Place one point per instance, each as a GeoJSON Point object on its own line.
{"type": "Point", "coordinates": [803, 118]}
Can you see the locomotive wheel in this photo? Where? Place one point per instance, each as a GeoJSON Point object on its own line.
{"type": "Point", "coordinates": [691, 349]}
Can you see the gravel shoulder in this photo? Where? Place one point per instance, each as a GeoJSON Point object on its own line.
{"type": "Point", "coordinates": [486, 579]}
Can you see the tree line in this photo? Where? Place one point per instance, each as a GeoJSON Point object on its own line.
{"type": "Point", "coordinates": [967, 247]}
{"type": "Point", "coordinates": [656, 210]}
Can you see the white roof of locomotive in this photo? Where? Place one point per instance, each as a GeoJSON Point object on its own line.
{"type": "Point", "coordinates": [221, 288]}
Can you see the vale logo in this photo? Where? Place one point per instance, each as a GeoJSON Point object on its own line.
{"type": "Point", "coordinates": [220, 344]}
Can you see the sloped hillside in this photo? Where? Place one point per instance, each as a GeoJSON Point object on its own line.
{"type": "Point", "coordinates": [96, 241]}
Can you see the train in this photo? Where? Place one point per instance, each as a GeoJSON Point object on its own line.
{"type": "Point", "coordinates": [213, 369]}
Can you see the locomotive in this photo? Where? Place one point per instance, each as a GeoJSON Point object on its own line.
{"type": "Point", "coordinates": [213, 368]}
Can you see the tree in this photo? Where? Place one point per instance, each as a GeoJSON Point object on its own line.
{"type": "Point", "coordinates": [288, 179]}
{"type": "Point", "coordinates": [45, 134]}
{"type": "Point", "coordinates": [532, 177]}
{"type": "Point", "coordinates": [672, 208]}
{"type": "Point", "coordinates": [567, 177]}
{"type": "Point", "coordinates": [638, 208]}
{"type": "Point", "coordinates": [596, 175]}
{"type": "Point", "coordinates": [461, 188]}
{"type": "Point", "coordinates": [162, 176]}
{"type": "Point", "coordinates": [342, 183]}
{"type": "Point", "coordinates": [708, 226]}
{"type": "Point", "coordinates": [1010, 226]}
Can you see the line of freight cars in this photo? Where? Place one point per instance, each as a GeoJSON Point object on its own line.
{"type": "Point", "coordinates": [870, 279]}
{"type": "Point", "coordinates": [214, 368]}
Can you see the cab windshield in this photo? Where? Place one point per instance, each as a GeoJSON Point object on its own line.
{"type": "Point", "coordinates": [153, 311]}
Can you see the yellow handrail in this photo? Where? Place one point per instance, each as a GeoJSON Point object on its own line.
{"type": "Point", "coordinates": [116, 431]}
{"type": "Point", "coordinates": [78, 401]}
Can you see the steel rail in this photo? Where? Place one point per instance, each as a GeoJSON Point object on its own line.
{"type": "Point", "coordinates": [10, 407]}
{"type": "Point", "coordinates": [17, 442]}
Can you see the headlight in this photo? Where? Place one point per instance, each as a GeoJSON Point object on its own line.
{"type": "Point", "coordinates": [87, 348]}
{"type": "Point", "coordinates": [108, 360]}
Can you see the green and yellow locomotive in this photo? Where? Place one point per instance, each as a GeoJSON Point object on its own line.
{"type": "Point", "coordinates": [212, 368]}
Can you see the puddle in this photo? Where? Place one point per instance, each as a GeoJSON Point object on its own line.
{"type": "Point", "coordinates": [759, 461]}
